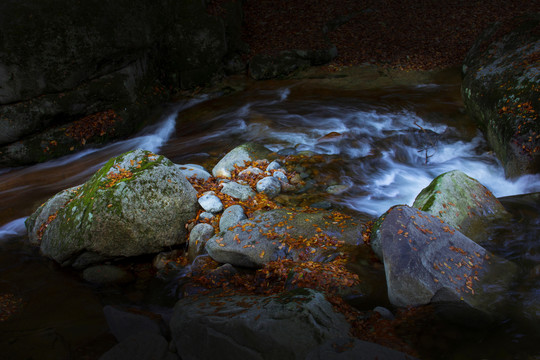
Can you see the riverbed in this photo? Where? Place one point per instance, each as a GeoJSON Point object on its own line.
{"type": "Point", "coordinates": [385, 140]}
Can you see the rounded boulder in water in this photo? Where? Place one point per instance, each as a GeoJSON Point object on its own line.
{"type": "Point", "coordinates": [137, 203]}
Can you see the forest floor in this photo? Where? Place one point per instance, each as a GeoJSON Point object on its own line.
{"type": "Point", "coordinates": [403, 34]}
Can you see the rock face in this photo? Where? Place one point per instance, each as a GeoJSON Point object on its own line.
{"type": "Point", "coordinates": [461, 202]}
{"type": "Point", "coordinates": [60, 63]}
{"type": "Point", "coordinates": [426, 260]}
{"type": "Point", "coordinates": [501, 92]}
{"type": "Point", "coordinates": [285, 326]}
{"type": "Point", "coordinates": [137, 203]}
{"type": "Point", "coordinates": [282, 234]}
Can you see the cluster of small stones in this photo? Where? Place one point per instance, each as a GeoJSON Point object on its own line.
{"type": "Point", "coordinates": [262, 180]}
{"type": "Point", "coordinates": [233, 196]}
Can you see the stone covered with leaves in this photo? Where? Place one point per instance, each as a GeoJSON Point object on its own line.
{"type": "Point", "coordinates": [283, 326]}
{"type": "Point", "coordinates": [461, 202]}
{"type": "Point", "coordinates": [282, 234]}
{"type": "Point", "coordinates": [501, 91]}
{"type": "Point", "coordinates": [427, 260]}
{"type": "Point", "coordinates": [137, 203]}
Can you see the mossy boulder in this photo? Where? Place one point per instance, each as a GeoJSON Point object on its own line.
{"type": "Point", "coordinates": [461, 202]}
{"type": "Point", "coordinates": [137, 203]}
{"type": "Point", "coordinates": [501, 91]}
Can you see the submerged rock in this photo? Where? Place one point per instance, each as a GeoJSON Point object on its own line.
{"type": "Point", "coordinates": [284, 326]}
{"type": "Point", "coordinates": [427, 260]}
{"type": "Point", "coordinates": [461, 202]}
{"type": "Point", "coordinates": [125, 323]}
{"type": "Point", "coordinates": [137, 203]}
{"type": "Point", "coordinates": [107, 274]}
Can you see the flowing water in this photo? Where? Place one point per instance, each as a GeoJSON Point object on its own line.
{"type": "Point", "coordinates": [386, 144]}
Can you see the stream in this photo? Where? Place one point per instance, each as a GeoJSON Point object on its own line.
{"type": "Point", "coordinates": [385, 143]}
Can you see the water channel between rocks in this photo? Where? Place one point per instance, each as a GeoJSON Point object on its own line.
{"type": "Point", "coordinates": [385, 143]}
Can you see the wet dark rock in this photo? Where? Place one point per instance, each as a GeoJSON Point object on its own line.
{"type": "Point", "coordinates": [165, 259]}
{"type": "Point", "coordinates": [287, 152]}
{"type": "Point", "coordinates": [325, 205]}
{"type": "Point", "coordinates": [500, 91]}
{"type": "Point", "coordinates": [427, 260]}
{"type": "Point", "coordinates": [125, 323]}
{"type": "Point", "coordinates": [284, 326]}
{"type": "Point", "coordinates": [351, 348]}
{"type": "Point", "coordinates": [107, 274]}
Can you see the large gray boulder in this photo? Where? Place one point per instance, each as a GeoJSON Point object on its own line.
{"type": "Point", "coordinates": [137, 203]}
{"type": "Point", "coordinates": [283, 234]}
{"type": "Point", "coordinates": [284, 326]}
{"type": "Point", "coordinates": [461, 202]}
{"type": "Point", "coordinates": [501, 77]}
{"type": "Point", "coordinates": [427, 260]}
